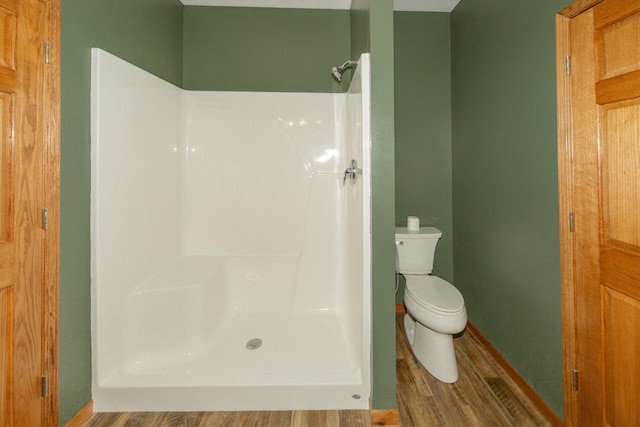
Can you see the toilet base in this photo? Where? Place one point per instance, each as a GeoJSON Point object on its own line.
{"type": "Point", "coordinates": [434, 350]}
{"type": "Point", "coordinates": [409, 328]}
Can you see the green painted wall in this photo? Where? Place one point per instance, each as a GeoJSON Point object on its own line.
{"type": "Point", "coordinates": [147, 33]}
{"type": "Point", "coordinates": [372, 31]}
{"type": "Point", "coordinates": [360, 28]}
{"type": "Point", "coordinates": [262, 49]}
{"type": "Point", "coordinates": [382, 204]}
{"type": "Point", "coordinates": [423, 128]}
{"type": "Point", "coordinates": [506, 249]}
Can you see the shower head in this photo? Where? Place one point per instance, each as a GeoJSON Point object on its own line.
{"type": "Point", "coordinates": [336, 72]}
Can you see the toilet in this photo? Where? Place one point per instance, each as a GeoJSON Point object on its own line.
{"type": "Point", "coordinates": [435, 308]}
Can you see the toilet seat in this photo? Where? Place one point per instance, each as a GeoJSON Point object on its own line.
{"type": "Point", "coordinates": [434, 294]}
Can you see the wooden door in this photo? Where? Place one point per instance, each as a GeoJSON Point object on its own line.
{"type": "Point", "coordinates": [599, 141]}
{"type": "Point", "coordinates": [27, 303]}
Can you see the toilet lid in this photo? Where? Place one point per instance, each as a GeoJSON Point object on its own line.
{"type": "Point", "coordinates": [434, 293]}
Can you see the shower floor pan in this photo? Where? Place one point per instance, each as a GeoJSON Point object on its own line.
{"type": "Point", "coordinates": [266, 361]}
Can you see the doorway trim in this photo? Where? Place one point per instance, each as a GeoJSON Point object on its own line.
{"type": "Point", "coordinates": [51, 191]}
{"type": "Point", "coordinates": [565, 198]}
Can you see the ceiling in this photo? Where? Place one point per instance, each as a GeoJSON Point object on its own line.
{"type": "Point", "coordinates": [403, 5]}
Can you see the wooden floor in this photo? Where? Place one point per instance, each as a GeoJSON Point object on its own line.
{"type": "Point", "coordinates": [483, 396]}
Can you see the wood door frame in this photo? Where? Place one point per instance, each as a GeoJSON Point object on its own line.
{"type": "Point", "coordinates": [565, 198]}
{"type": "Point", "coordinates": [51, 244]}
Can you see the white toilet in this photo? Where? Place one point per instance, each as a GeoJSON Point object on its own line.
{"type": "Point", "coordinates": [435, 308]}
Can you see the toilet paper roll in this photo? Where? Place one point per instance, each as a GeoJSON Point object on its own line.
{"type": "Point", "coordinates": [413, 223]}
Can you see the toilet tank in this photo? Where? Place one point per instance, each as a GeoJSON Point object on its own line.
{"type": "Point", "coordinates": [415, 249]}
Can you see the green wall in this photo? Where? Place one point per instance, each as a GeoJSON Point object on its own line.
{"type": "Point", "coordinates": [382, 204]}
{"type": "Point", "coordinates": [372, 31]}
{"type": "Point", "coordinates": [360, 27]}
{"type": "Point", "coordinates": [423, 128]}
{"type": "Point", "coordinates": [262, 49]}
{"type": "Point", "coordinates": [147, 33]}
{"type": "Point", "coordinates": [506, 249]}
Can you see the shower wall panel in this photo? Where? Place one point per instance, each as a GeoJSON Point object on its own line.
{"type": "Point", "coordinates": [251, 159]}
{"type": "Point", "coordinates": [139, 136]}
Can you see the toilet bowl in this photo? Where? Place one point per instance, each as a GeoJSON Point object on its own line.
{"type": "Point", "coordinates": [435, 311]}
{"type": "Point", "coordinates": [435, 302]}
{"type": "Point", "coordinates": [435, 308]}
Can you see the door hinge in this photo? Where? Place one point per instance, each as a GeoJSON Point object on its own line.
{"type": "Point", "coordinates": [47, 50]}
{"type": "Point", "coordinates": [572, 222]}
{"type": "Point", "coordinates": [574, 380]}
{"type": "Point", "coordinates": [567, 65]}
{"type": "Point", "coordinates": [44, 386]}
{"type": "Point", "coordinates": [45, 218]}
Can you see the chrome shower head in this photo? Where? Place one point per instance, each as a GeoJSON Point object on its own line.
{"type": "Point", "coordinates": [336, 72]}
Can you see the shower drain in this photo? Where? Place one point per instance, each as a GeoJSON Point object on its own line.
{"type": "Point", "coordinates": [254, 344]}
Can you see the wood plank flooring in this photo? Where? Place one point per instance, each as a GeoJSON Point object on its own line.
{"type": "Point", "coordinates": [483, 396]}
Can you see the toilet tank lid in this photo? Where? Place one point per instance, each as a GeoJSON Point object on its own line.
{"type": "Point", "coordinates": [405, 233]}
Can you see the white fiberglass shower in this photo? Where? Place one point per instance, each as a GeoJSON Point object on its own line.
{"type": "Point", "coordinates": [230, 250]}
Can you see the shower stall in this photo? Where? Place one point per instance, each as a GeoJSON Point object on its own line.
{"type": "Point", "coordinates": [230, 245]}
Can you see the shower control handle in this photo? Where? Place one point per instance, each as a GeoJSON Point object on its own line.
{"type": "Point", "coordinates": [352, 172]}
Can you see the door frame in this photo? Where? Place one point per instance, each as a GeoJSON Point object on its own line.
{"type": "Point", "coordinates": [51, 244]}
{"type": "Point", "coordinates": [565, 198]}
